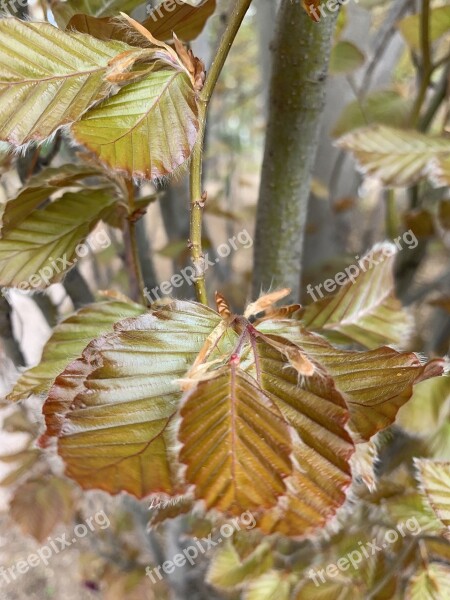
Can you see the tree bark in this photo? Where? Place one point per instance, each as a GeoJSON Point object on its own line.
{"type": "Point", "coordinates": [297, 99]}
{"type": "Point", "coordinates": [266, 12]}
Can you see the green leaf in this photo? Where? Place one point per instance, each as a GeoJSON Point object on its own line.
{"type": "Point", "coordinates": [235, 443]}
{"type": "Point", "coordinates": [386, 107]}
{"type": "Point", "coordinates": [25, 461]}
{"type": "Point", "coordinates": [40, 188]}
{"type": "Point", "coordinates": [428, 408]}
{"type": "Point", "coordinates": [68, 341]}
{"type": "Point", "coordinates": [48, 78]}
{"type": "Point", "coordinates": [345, 58]}
{"type": "Point", "coordinates": [113, 410]}
{"type": "Point", "coordinates": [270, 586]}
{"type": "Point", "coordinates": [40, 249]}
{"type": "Point", "coordinates": [342, 22]}
{"type": "Point", "coordinates": [398, 158]}
{"type": "Point", "coordinates": [128, 131]}
{"type": "Point", "coordinates": [413, 506]}
{"type": "Point", "coordinates": [365, 310]}
{"type": "Point", "coordinates": [227, 570]}
{"type": "Point", "coordinates": [342, 589]}
{"type": "Point", "coordinates": [434, 478]}
{"type": "Point", "coordinates": [439, 26]}
{"type": "Point", "coordinates": [431, 582]}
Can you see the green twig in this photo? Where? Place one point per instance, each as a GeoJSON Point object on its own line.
{"type": "Point", "coordinates": [426, 62]}
{"type": "Point", "coordinates": [392, 224]}
{"type": "Point", "coordinates": [198, 197]}
{"type": "Point", "coordinates": [134, 248]}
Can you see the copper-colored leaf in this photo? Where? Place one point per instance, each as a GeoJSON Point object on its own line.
{"type": "Point", "coordinates": [113, 409]}
{"type": "Point", "coordinates": [375, 383]}
{"type": "Point", "coordinates": [235, 443]}
{"type": "Point", "coordinates": [318, 413]}
{"type": "Point", "coordinates": [186, 19]}
{"type": "Point", "coordinates": [39, 505]}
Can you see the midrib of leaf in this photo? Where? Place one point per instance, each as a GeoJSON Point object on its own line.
{"type": "Point", "coordinates": [233, 418]}
{"type": "Point", "coordinates": [148, 112]}
{"type": "Point", "coordinates": [67, 232]}
{"type": "Point", "coordinates": [58, 77]}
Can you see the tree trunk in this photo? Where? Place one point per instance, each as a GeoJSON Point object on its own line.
{"type": "Point", "coordinates": [297, 99]}
{"type": "Point", "coordinates": [266, 12]}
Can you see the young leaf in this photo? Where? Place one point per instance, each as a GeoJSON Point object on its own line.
{"type": "Point", "coordinates": [322, 446]}
{"type": "Point", "coordinates": [386, 107]}
{"type": "Point", "coordinates": [428, 409]}
{"type": "Point", "coordinates": [186, 21]}
{"type": "Point", "coordinates": [434, 478]}
{"type": "Point", "coordinates": [68, 341]}
{"type": "Point", "coordinates": [365, 310]}
{"type": "Point", "coordinates": [39, 505]}
{"type": "Point", "coordinates": [63, 11]}
{"type": "Point", "coordinates": [40, 188]}
{"type": "Point", "coordinates": [128, 131]}
{"type": "Point", "coordinates": [432, 582]}
{"type": "Point", "coordinates": [439, 26]}
{"type": "Point", "coordinates": [40, 249]}
{"type": "Point", "coordinates": [398, 158]}
{"type": "Point", "coordinates": [227, 570]}
{"type": "Point", "coordinates": [413, 506]}
{"type": "Point", "coordinates": [365, 378]}
{"type": "Point", "coordinates": [270, 586]}
{"type": "Point", "coordinates": [330, 589]}
{"type": "Point", "coordinates": [113, 409]}
{"type": "Point", "coordinates": [345, 58]}
{"type": "Point", "coordinates": [235, 443]}
{"type": "Point", "coordinates": [48, 78]}
{"type": "Point", "coordinates": [25, 461]}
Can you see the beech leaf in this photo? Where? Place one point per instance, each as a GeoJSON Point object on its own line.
{"type": "Point", "coordinates": [434, 478]}
{"type": "Point", "coordinates": [39, 505]}
{"type": "Point", "coordinates": [431, 582]}
{"type": "Point", "coordinates": [185, 19]}
{"type": "Point", "coordinates": [235, 443]}
{"type": "Point", "coordinates": [113, 409]}
{"type": "Point", "coordinates": [29, 250]}
{"type": "Point", "coordinates": [48, 78]}
{"type": "Point", "coordinates": [68, 341]}
{"type": "Point", "coordinates": [345, 58]}
{"type": "Point", "coordinates": [375, 384]}
{"type": "Point", "coordinates": [397, 157]}
{"type": "Point", "coordinates": [127, 131]}
{"type": "Point", "coordinates": [365, 309]}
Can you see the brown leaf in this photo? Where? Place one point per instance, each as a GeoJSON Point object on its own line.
{"type": "Point", "coordinates": [39, 505]}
